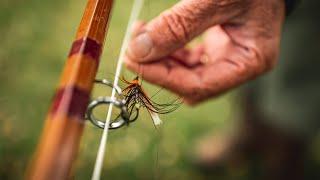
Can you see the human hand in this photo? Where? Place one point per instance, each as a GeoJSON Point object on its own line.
{"type": "Point", "coordinates": [241, 42]}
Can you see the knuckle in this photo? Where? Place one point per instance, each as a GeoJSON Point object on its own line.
{"type": "Point", "coordinates": [266, 59]}
{"type": "Point", "coordinates": [256, 63]}
{"type": "Point", "coordinates": [256, 60]}
{"type": "Point", "coordinates": [178, 27]}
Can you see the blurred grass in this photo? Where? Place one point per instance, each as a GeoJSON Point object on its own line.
{"type": "Point", "coordinates": [35, 38]}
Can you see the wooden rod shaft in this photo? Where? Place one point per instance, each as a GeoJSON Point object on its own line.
{"type": "Point", "coordinates": [60, 139]}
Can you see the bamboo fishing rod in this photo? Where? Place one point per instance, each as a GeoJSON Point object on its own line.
{"type": "Point", "coordinates": [63, 128]}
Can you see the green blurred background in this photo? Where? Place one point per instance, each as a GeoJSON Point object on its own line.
{"type": "Point", "coordinates": [36, 36]}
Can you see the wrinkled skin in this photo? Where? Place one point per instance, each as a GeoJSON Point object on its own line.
{"type": "Point", "coordinates": [240, 42]}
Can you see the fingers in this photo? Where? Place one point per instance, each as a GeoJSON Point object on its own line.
{"type": "Point", "coordinates": [228, 65]}
{"type": "Point", "coordinates": [189, 57]}
{"type": "Point", "coordinates": [232, 53]}
{"type": "Point", "coordinates": [169, 74]}
{"type": "Point", "coordinates": [178, 25]}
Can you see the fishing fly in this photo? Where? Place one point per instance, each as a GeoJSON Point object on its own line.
{"type": "Point", "coordinates": [130, 101]}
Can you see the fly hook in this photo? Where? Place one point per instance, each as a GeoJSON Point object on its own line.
{"type": "Point", "coordinates": [124, 116]}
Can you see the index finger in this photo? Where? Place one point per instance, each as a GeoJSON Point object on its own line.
{"type": "Point", "coordinates": [169, 74]}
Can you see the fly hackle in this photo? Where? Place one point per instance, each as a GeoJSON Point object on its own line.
{"type": "Point", "coordinates": [129, 101]}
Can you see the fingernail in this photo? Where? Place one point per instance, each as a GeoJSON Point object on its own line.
{"type": "Point", "coordinates": [141, 46]}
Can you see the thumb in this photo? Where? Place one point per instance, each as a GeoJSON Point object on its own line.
{"type": "Point", "coordinates": [177, 26]}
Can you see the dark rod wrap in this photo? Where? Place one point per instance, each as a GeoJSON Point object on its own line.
{"type": "Point", "coordinates": [290, 5]}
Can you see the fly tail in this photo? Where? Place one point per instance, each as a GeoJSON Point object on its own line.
{"type": "Point", "coordinates": [155, 118]}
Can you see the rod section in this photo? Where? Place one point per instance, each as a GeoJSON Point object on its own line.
{"type": "Point", "coordinates": [63, 128]}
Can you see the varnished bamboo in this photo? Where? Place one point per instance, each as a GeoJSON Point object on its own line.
{"type": "Point", "coordinates": [64, 124]}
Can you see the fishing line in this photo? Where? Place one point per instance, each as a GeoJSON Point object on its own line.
{"type": "Point", "coordinates": [136, 9]}
{"type": "Point", "coordinates": [157, 165]}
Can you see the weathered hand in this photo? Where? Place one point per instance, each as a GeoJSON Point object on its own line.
{"type": "Point", "coordinates": [241, 41]}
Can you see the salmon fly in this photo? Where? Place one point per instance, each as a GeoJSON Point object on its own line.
{"type": "Point", "coordinates": [130, 101]}
{"type": "Point", "coordinates": [135, 98]}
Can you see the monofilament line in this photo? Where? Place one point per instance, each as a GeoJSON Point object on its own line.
{"type": "Point", "coordinates": [136, 9]}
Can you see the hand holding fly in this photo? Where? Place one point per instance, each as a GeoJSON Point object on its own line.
{"type": "Point", "coordinates": [241, 42]}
